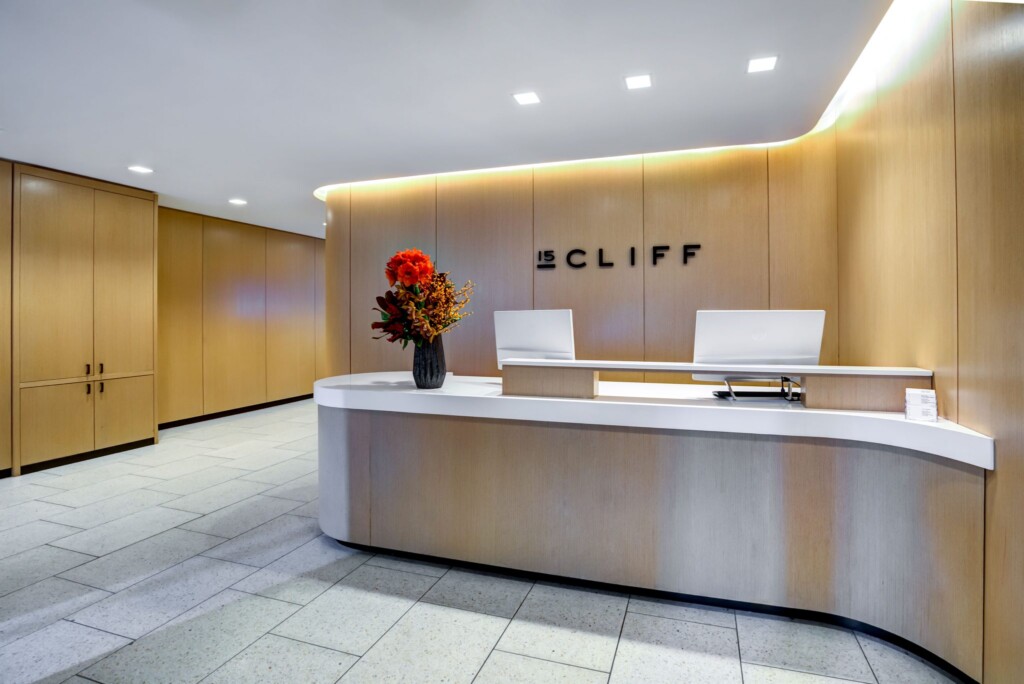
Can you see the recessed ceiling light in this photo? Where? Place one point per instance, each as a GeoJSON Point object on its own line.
{"type": "Point", "coordinates": [325, 223]}
{"type": "Point", "coordinates": [761, 64]}
{"type": "Point", "coordinates": [237, 200]}
{"type": "Point", "coordinates": [140, 169]}
{"type": "Point", "coordinates": [527, 98]}
{"type": "Point", "coordinates": [635, 82]}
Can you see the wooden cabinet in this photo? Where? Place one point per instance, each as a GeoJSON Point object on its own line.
{"type": "Point", "coordinates": [291, 315]}
{"type": "Point", "coordinates": [83, 315]}
{"type": "Point", "coordinates": [124, 410]}
{"type": "Point", "coordinates": [234, 315]}
{"type": "Point", "coordinates": [55, 421]}
{"type": "Point", "coordinates": [6, 200]}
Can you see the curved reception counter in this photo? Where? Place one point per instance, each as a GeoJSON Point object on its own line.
{"type": "Point", "coordinates": [859, 515]}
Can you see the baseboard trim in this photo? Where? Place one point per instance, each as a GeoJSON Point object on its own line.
{"type": "Point", "coordinates": [66, 460]}
{"type": "Point", "coordinates": [232, 412]}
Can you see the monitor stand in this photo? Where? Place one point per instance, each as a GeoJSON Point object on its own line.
{"type": "Point", "coordinates": [786, 392]}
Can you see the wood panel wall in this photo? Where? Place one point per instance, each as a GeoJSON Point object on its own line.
{"type": "Point", "coordinates": [337, 283]}
{"type": "Point", "coordinates": [291, 315]}
{"type": "Point", "coordinates": [6, 213]}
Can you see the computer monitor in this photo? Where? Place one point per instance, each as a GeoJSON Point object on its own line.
{"type": "Point", "coordinates": [757, 337]}
{"type": "Point", "coordinates": [534, 334]}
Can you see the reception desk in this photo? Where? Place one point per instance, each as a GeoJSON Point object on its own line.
{"type": "Point", "coordinates": [856, 514]}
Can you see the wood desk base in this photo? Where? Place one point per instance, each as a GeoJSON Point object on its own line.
{"type": "Point", "coordinates": [569, 383]}
{"type": "Point", "coordinates": [859, 393]}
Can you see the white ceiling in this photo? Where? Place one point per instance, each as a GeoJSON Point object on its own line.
{"type": "Point", "coordinates": [268, 99]}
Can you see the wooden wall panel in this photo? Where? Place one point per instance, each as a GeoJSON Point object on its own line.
{"type": "Point", "coordinates": [124, 410]}
{"type": "Point", "coordinates": [319, 303]}
{"type": "Point", "coordinates": [802, 225]}
{"type": "Point", "coordinates": [485, 234]}
{"type": "Point", "coordinates": [180, 316]}
{"type": "Point", "coordinates": [56, 421]}
{"type": "Point", "coordinates": [386, 217]}
{"type": "Point", "coordinates": [291, 315]}
{"type": "Point", "coordinates": [990, 204]}
{"type": "Point", "coordinates": [123, 283]}
{"type": "Point", "coordinates": [337, 284]}
{"type": "Point", "coordinates": [718, 200]}
{"type": "Point", "coordinates": [234, 315]}
{"type": "Point", "coordinates": [589, 206]}
{"type": "Point", "coordinates": [897, 212]}
{"type": "Point", "coordinates": [6, 200]}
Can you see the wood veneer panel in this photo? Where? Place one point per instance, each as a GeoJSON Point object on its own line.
{"type": "Point", "coordinates": [802, 232]}
{"type": "Point", "coordinates": [124, 410]}
{"type": "Point", "coordinates": [180, 315]}
{"type": "Point", "coordinates": [337, 284]}
{"type": "Point", "coordinates": [291, 315]}
{"type": "Point", "coordinates": [897, 206]}
{"type": "Point", "coordinates": [234, 315]}
{"type": "Point", "coordinates": [54, 286]}
{"type": "Point", "coordinates": [989, 140]}
{"type": "Point", "coordinates": [591, 206]}
{"type": "Point", "coordinates": [319, 303]}
{"type": "Point", "coordinates": [386, 217]}
{"type": "Point", "coordinates": [6, 200]}
{"type": "Point", "coordinates": [718, 200]}
{"type": "Point", "coordinates": [485, 234]}
{"type": "Point", "coordinates": [56, 421]}
{"type": "Point", "coordinates": [124, 280]}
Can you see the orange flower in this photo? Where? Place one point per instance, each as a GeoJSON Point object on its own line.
{"type": "Point", "coordinates": [411, 267]}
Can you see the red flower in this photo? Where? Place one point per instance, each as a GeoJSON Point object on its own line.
{"type": "Point", "coordinates": [411, 267]}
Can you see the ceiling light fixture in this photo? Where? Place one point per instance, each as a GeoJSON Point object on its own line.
{"type": "Point", "coordinates": [238, 201]}
{"type": "Point", "coordinates": [761, 64]}
{"type": "Point", "coordinates": [527, 98]}
{"type": "Point", "coordinates": [636, 82]}
{"type": "Point", "coordinates": [140, 169]}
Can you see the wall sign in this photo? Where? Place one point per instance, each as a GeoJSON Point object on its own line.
{"type": "Point", "coordinates": [578, 258]}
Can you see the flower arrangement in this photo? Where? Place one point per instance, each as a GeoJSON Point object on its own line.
{"type": "Point", "coordinates": [422, 302]}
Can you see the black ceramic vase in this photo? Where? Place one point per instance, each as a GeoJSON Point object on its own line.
{"type": "Point", "coordinates": [428, 369]}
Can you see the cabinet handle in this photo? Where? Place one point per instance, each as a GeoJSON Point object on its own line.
{"type": "Point", "coordinates": [101, 386]}
{"type": "Point", "coordinates": [101, 368]}
{"type": "Point", "coordinates": [88, 388]}
{"type": "Point", "coordinates": [88, 369]}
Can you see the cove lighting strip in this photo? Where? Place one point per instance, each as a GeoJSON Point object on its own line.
{"type": "Point", "coordinates": [887, 46]}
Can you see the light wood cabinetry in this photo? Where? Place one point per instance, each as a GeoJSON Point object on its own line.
{"type": "Point", "coordinates": [234, 315]}
{"type": "Point", "coordinates": [56, 420]}
{"type": "Point", "coordinates": [6, 200]}
{"type": "Point", "coordinates": [180, 316]}
{"type": "Point", "coordinates": [83, 311]}
{"type": "Point", "coordinates": [338, 283]}
{"type": "Point", "coordinates": [319, 304]}
{"type": "Point", "coordinates": [124, 410]}
{"type": "Point", "coordinates": [291, 315]}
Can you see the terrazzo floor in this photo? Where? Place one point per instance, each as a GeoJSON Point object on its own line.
{"type": "Point", "coordinates": [200, 560]}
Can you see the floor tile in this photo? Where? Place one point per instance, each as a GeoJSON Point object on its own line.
{"type": "Point", "coordinates": [198, 481]}
{"type": "Point", "coordinates": [195, 644]}
{"type": "Point", "coordinates": [263, 545]}
{"type": "Point", "coordinates": [353, 614]}
{"type": "Point", "coordinates": [31, 535]}
{"type": "Point", "coordinates": [213, 440]}
{"type": "Point", "coordinates": [28, 567]}
{"type": "Point", "coordinates": [677, 610]}
{"type": "Point", "coordinates": [11, 496]}
{"type": "Point", "coordinates": [111, 509]}
{"type": "Point", "coordinates": [282, 472]}
{"type": "Point", "coordinates": [106, 489]}
{"type": "Point", "coordinates": [276, 660]}
{"type": "Point", "coordinates": [893, 665]}
{"type": "Point", "coordinates": [437, 643]}
{"type": "Point", "coordinates": [656, 649]}
{"type": "Point", "coordinates": [162, 454]}
{"type": "Point", "coordinates": [310, 510]}
{"type": "Point", "coordinates": [759, 674]}
{"type": "Point", "coordinates": [145, 606]}
{"type": "Point", "coordinates": [305, 573]}
{"type": "Point", "coordinates": [29, 511]}
{"type": "Point", "coordinates": [406, 565]}
{"type": "Point", "coordinates": [218, 496]}
{"type": "Point", "coordinates": [567, 625]}
{"type": "Point", "coordinates": [235, 519]}
{"type": "Point", "coordinates": [185, 466]}
{"type": "Point", "coordinates": [801, 646]}
{"type": "Point", "coordinates": [479, 592]}
{"type": "Point", "coordinates": [117, 534]}
{"type": "Point", "coordinates": [263, 459]}
{"type": "Point", "coordinates": [303, 489]}
{"type": "Point", "coordinates": [41, 604]}
{"type": "Point", "coordinates": [249, 447]}
{"type": "Point", "coordinates": [53, 654]}
{"type": "Point", "coordinates": [305, 445]}
{"type": "Point", "coordinates": [95, 472]}
{"type": "Point", "coordinates": [121, 569]}
{"type": "Point", "coordinates": [510, 668]}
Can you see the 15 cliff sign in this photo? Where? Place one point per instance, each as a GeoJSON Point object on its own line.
{"type": "Point", "coordinates": [578, 258]}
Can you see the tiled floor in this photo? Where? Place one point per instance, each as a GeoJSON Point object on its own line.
{"type": "Point", "coordinates": [200, 559]}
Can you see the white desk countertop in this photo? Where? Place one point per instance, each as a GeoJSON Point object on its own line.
{"type": "Point", "coordinates": [661, 406]}
{"type": "Point", "coordinates": [746, 370]}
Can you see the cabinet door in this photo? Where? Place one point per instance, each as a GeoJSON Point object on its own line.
{"type": "Point", "coordinates": [55, 296]}
{"type": "Point", "coordinates": [291, 315]}
{"type": "Point", "coordinates": [179, 378]}
{"type": "Point", "coordinates": [56, 421]}
{"type": "Point", "coordinates": [124, 411]}
{"type": "Point", "coordinates": [234, 315]}
{"type": "Point", "coordinates": [125, 263]}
